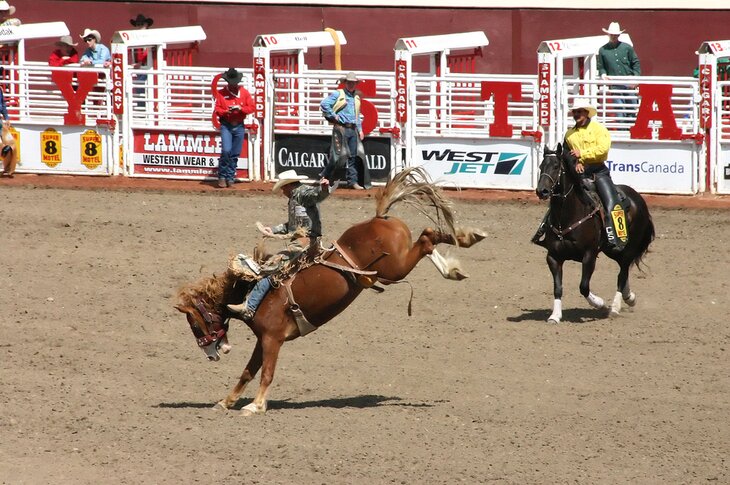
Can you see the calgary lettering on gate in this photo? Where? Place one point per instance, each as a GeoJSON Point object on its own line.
{"type": "Point", "coordinates": [478, 162]}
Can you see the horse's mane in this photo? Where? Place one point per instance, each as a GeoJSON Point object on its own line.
{"type": "Point", "coordinates": [569, 161]}
{"type": "Point", "coordinates": [413, 186]}
{"type": "Point", "coordinates": [207, 289]}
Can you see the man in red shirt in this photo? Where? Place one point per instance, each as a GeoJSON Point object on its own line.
{"type": "Point", "coordinates": [232, 104]}
{"type": "Point", "coordinates": [65, 53]}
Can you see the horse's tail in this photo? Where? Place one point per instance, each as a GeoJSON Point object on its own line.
{"type": "Point", "coordinates": [413, 186]}
{"type": "Point", "coordinates": [648, 234]}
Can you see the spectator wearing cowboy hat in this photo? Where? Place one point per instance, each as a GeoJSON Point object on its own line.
{"type": "Point", "coordinates": [6, 10]}
{"type": "Point", "coordinates": [65, 52]}
{"type": "Point", "coordinates": [618, 58]}
{"type": "Point", "coordinates": [342, 109]}
{"type": "Point", "coordinates": [303, 210]}
{"type": "Point", "coordinates": [232, 104]}
{"type": "Point", "coordinates": [96, 53]}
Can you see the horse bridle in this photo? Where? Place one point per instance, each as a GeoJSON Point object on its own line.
{"type": "Point", "coordinates": [217, 328]}
{"type": "Point", "coordinates": [560, 233]}
{"type": "Point", "coordinates": [556, 181]}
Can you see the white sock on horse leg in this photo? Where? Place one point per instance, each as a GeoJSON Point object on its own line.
{"type": "Point", "coordinates": [630, 297]}
{"type": "Point", "coordinates": [616, 305]}
{"type": "Point", "coordinates": [557, 314]}
{"type": "Point", "coordinates": [595, 301]}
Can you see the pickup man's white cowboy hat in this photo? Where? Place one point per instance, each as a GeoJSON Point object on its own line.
{"type": "Point", "coordinates": [91, 33]}
{"type": "Point", "coordinates": [614, 29]}
{"type": "Point", "coordinates": [286, 178]}
{"type": "Point", "coordinates": [583, 103]}
{"type": "Point", "coordinates": [351, 76]}
{"type": "Point", "coordinates": [6, 8]}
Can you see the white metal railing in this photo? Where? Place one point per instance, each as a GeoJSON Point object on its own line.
{"type": "Point", "coordinates": [297, 99]}
{"type": "Point", "coordinates": [617, 101]}
{"type": "Point", "coordinates": [722, 92]}
{"type": "Point", "coordinates": [175, 97]}
{"type": "Point", "coordinates": [452, 106]}
{"type": "Point", "coordinates": [35, 98]}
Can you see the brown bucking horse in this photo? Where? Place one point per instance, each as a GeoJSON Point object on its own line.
{"type": "Point", "coordinates": [376, 252]}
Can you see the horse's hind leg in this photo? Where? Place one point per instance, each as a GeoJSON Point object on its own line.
{"type": "Point", "coordinates": [556, 269]}
{"type": "Point", "coordinates": [464, 238]}
{"type": "Point", "coordinates": [271, 347]}
{"type": "Point", "coordinates": [253, 366]}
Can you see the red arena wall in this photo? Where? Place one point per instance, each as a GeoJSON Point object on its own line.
{"type": "Point", "coordinates": [514, 34]}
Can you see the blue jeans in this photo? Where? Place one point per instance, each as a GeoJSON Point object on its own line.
{"type": "Point", "coordinates": [259, 291]}
{"type": "Point", "coordinates": [231, 143]}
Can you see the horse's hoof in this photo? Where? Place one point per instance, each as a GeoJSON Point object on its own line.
{"type": "Point", "coordinates": [225, 348]}
{"type": "Point", "coordinates": [219, 406]}
{"type": "Point", "coordinates": [613, 313]}
{"type": "Point", "coordinates": [631, 300]}
{"type": "Point", "coordinates": [456, 274]}
{"type": "Point", "coordinates": [553, 320]}
{"type": "Point", "coordinates": [251, 409]}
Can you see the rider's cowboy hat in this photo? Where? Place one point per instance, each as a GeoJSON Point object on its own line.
{"type": "Point", "coordinates": [614, 29]}
{"type": "Point", "coordinates": [6, 8]}
{"type": "Point", "coordinates": [141, 20]}
{"type": "Point", "coordinates": [91, 33]}
{"type": "Point", "coordinates": [286, 178]}
{"type": "Point", "coordinates": [351, 76]}
{"type": "Point", "coordinates": [232, 76]}
{"type": "Point", "coordinates": [583, 103]}
{"type": "Point", "coordinates": [65, 40]}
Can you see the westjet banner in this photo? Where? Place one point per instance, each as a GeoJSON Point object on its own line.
{"type": "Point", "coordinates": [477, 163]}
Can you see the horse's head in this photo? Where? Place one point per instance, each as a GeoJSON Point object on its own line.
{"type": "Point", "coordinates": [209, 326]}
{"type": "Point", "coordinates": [551, 169]}
{"type": "Point", "coordinates": [209, 329]}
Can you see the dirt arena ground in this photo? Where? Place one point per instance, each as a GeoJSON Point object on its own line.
{"type": "Point", "coordinates": [102, 381]}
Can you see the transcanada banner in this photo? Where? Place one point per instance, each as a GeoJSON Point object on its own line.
{"type": "Point", "coordinates": [477, 163]}
{"type": "Point", "coordinates": [652, 167]}
{"type": "Point", "coordinates": [181, 154]}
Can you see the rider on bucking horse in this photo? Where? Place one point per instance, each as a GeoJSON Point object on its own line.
{"type": "Point", "coordinates": [589, 142]}
{"type": "Point", "coordinates": [303, 209]}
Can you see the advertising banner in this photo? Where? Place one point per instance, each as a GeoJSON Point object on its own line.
{"type": "Point", "coordinates": [181, 154]}
{"type": "Point", "coordinates": [477, 163]}
{"type": "Point", "coordinates": [651, 167]}
{"type": "Point", "coordinates": [76, 150]}
{"type": "Point", "coordinates": [308, 155]}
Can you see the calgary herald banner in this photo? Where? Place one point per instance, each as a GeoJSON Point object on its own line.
{"type": "Point", "coordinates": [183, 154]}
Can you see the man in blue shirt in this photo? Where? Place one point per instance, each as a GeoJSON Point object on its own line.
{"type": "Point", "coordinates": [96, 53]}
{"type": "Point", "coordinates": [342, 109]}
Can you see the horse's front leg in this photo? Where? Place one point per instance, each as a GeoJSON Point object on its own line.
{"type": "Point", "coordinates": [589, 265]}
{"type": "Point", "coordinates": [271, 347]}
{"type": "Point", "coordinates": [623, 291]}
{"type": "Point", "coordinates": [556, 269]}
{"type": "Point", "coordinates": [253, 366]}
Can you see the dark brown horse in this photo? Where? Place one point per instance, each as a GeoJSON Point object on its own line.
{"type": "Point", "coordinates": [379, 250]}
{"type": "Point", "coordinates": [575, 231]}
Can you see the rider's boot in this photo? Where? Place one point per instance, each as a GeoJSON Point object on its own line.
{"type": "Point", "coordinates": [616, 225]}
{"type": "Point", "coordinates": [246, 310]}
{"type": "Point", "coordinates": [538, 237]}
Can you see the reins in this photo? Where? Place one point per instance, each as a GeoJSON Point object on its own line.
{"type": "Point", "coordinates": [559, 232]}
